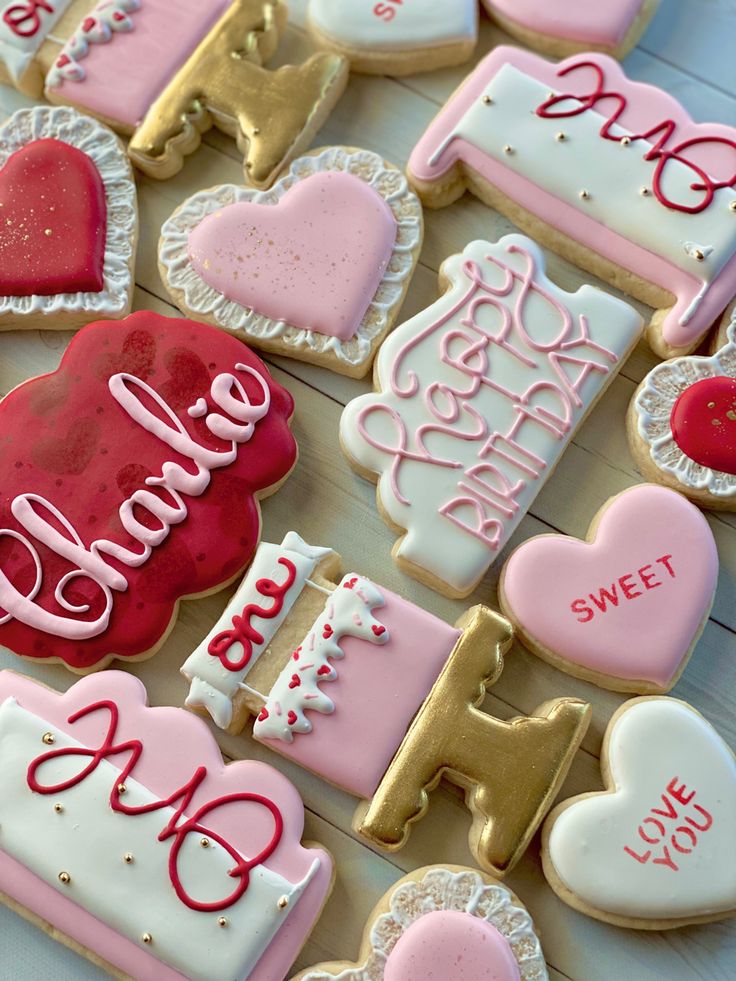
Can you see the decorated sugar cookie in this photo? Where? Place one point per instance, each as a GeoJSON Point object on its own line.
{"type": "Point", "coordinates": [477, 398]}
{"type": "Point", "coordinates": [317, 658]}
{"type": "Point", "coordinates": [682, 426]}
{"type": "Point", "coordinates": [564, 27]}
{"type": "Point", "coordinates": [654, 850]}
{"type": "Point", "coordinates": [612, 174]}
{"type": "Point", "coordinates": [626, 608]}
{"type": "Point", "coordinates": [68, 221]}
{"type": "Point", "coordinates": [285, 271]}
{"type": "Point", "coordinates": [131, 478]}
{"type": "Point", "coordinates": [125, 836]}
{"type": "Point", "coordinates": [444, 921]}
{"type": "Point", "coordinates": [396, 37]}
{"type": "Point", "coordinates": [165, 76]}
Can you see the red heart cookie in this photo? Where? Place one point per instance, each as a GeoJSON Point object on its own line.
{"type": "Point", "coordinates": [53, 221]}
{"type": "Point", "coordinates": [704, 423]}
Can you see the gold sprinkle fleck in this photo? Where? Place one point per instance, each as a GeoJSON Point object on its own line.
{"type": "Point", "coordinates": [147, 938]}
{"type": "Point", "coordinates": [644, 191]}
{"type": "Point", "coordinates": [711, 405]}
{"type": "Point", "coordinates": [560, 137]}
{"type": "Point", "coordinates": [625, 140]}
{"type": "Point", "coordinates": [715, 422]}
{"type": "Point", "coordinates": [121, 788]}
{"type": "Point", "coordinates": [128, 858]}
{"type": "Point", "coordinates": [699, 255]}
{"type": "Point", "coordinates": [584, 195]}
{"type": "Point", "coordinates": [65, 878]}
{"type": "Point", "coordinates": [204, 842]}
{"type": "Point", "coordinates": [48, 231]}
{"type": "Point", "coordinates": [508, 149]}
{"type": "Point", "coordinates": [732, 206]}
{"type": "Point", "coordinates": [48, 738]}
{"type": "Point", "coordinates": [731, 415]}
{"type": "Point", "coordinates": [223, 921]}
{"type": "Point", "coordinates": [58, 808]}
{"type": "Point", "coordinates": [283, 902]}
{"type": "Point", "coordinates": [487, 100]}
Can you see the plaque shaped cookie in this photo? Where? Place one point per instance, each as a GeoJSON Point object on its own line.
{"type": "Point", "coordinates": [132, 476]}
{"type": "Point", "coordinates": [317, 658]}
{"type": "Point", "coordinates": [395, 37]}
{"type": "Point", "coordinates": [564, 27]}
{"type": "Point", "coordinates": [682, 426]}
{"type": "Point", "coordinates": [285, 270]}
{"type": "Point", "coordinates": [164, 76]}
{"type": "Point", "coordinates": [625, 608]}
{"type": "Point", "coordinates": [69, 221]}
{"type": "Point", "coordinates": [658, 842]}
{"type": "Point", "coordinates": [127, 838]}
{"type": "Point", "coordinates": [612, 174]}
{"type": "Point", "coordinates": [444, 921]}
{"type": "Point", "coordinates": [477, 398]}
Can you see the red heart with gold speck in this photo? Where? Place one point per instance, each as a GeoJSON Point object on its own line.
{"type": "Point", "coordinates": [703, 423]}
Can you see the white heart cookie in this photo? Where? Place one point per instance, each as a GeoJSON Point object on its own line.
{"type": "Point", "coordinates": [396, 25]}
{"type": "Point", "coordinates": [657, 849]}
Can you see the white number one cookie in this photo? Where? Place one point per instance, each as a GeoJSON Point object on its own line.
{"type": "Point", "coordinates": [656, 849]}
{"type": "Point", "coordinates": [613, 174]}
{"type": "Point", "coordinates": [320, 661]}
{"type": "Point", "coordinates": [478, 396]}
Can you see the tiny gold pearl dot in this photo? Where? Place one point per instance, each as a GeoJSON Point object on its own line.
{"type": "Point", "coordinates": [625, 140]}
{"type": "Point", "coordinates": [204, 842]}
{"type": "Point", "coordinates": [644, 191]}
{"type": "Point", "coordinates": [128, 858]}
{"type": "Point", "coordinates": [711, 405]}
{"type": "Point", "coordinates": [508, 148]}
{"type": "Point", "coordinates": [65, 878]}
{"type": "Point", "coordinates": [48, 738]}
{"type": "Point", "coordinates": [147, 938]}
{"type": "Point", "coordinates": [584, 194]}
{"type": "Point", "coordinates": [487, 100]}
{"type": "Point", "coordinates": [560, 137]}
{"type": "Point", "coordinates": [283, 902]}
{"type": "Point", "coordinates": [48, 231]}
{"type": "Point", "coordinates": [223, 921]}
{"type": "Point", "coordinates": [699, 255]}
{"type": "Point", "coordinates": [732, 206]}
{"type": "Point", "coordinates": [121, 788]}
{"type": "Point", "coordinates": [58, 808]}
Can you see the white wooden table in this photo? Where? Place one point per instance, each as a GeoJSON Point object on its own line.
{"type": "Point", "coordinates": [688, 50]}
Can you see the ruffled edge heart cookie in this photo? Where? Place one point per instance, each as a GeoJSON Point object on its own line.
{"type": "Point", "coordinates": [69, 310]}
{"type": "Point", "coordinates": [201, 301]}
{"type": "Point", "coordinates": [649, 426]}
{"type": "Point", "coordinates": [662, 658]}
{"type": "Point", "coordinates": [432, 889]}
{"type": "Point", "coordinates": [668, 833]}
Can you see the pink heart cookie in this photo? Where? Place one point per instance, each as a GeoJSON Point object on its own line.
{"type": "Point", "coordinates": [625, 608]}
{"type": "Point", "coordinates": [655, 850]}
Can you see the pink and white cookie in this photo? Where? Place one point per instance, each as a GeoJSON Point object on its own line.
{"type": "Point", "coordinates": [317, 658]}
{"type": "Point", "coordinates": [655, 849]}
{"type": "Point", "coordinates": [625, 608]}
{"type": "Point", "coordinates": [126, 837]}
{"type": "Point", "coordinates": [395, 37]}
{"type": "Point", "coordinates": [448, 922]}
{"type": "Point", "coordinates": [612, 174]}
{"type": "Point", "coordinates": [132, 478]}
{"type": "Point", "coordinates": [284, 270]}
{"type": "Point", "coordinates": [68, 221]}
{"type": "Point", "coordinates": [477, 398]}
{"type": "Point", "coordinates": [564, 27]}
{"type": "Point", "coordinates": [681, 426]}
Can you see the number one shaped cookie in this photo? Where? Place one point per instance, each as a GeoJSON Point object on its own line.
{"type": "Point", "coordinates": [478, 396]}
{"type": "Point", "coordinates": [613, 174]}
{"type": "Point", "coordinates": [319, 661]}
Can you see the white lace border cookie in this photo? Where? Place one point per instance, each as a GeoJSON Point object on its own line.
{"type": "Point", "coordinates": [200, 298]}
{"type": "Point", "coordinates": [443, 889]}
{"type": "Point", "coordinates": [106, 152]}
{"type": "Point", "coordinates": [654, 404]}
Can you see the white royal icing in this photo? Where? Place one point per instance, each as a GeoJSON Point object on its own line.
{"type": "Point", "coordinates": [478, 397]}
{"type": "Point", "coordinates": [661, 846]}
{"type": "Point", "coordinates": [441, 889]}
{"type": "Point", "coordinates": [613, 175]}
{"type": "Point", "coordinates": [106, 152]}
{"type": "Point", "coordinates": [24, 25]}
{"type": "Point", "coordinates": [653, 406]}
{"type": "Point", "coordinates": [201, 298]}
{"type": "Point", "coordinates": [212, 685]}
{"type": "Point", "coordinates": [348, 613]}
{"type": "Point", "coordinates": [394, 26]}
{"type": "Point", "coordinates": [98, 27]}
{"type": "Point", "coordinates": [87, 839]}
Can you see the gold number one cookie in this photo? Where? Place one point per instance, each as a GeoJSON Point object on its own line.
{"type": "Point", "coordinates": [335, 672]}
{"type": "Point", "coordinates": [166, 76]}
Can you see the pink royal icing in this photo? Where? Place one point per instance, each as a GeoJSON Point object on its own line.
{"type": "Point", "coordinates": [602, 23]}
{"type": "Point", "coordinates": [628, 604]}
{"type": "Point", "coordinates": [300, 261]}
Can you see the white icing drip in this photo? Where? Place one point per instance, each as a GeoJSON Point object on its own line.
{"type": "Point", "coordinates": [347, 613]}
{"type": "Point", "coordinates": [98, 27]}
{"type": "Point", "coordinates": [107, 154]}
{"type": "Point", "coordinates": [212, 685]}
{"type": "Point", "coordinates": [654, 403]}
{"type": "Point", "coordinates": [441, 889]}
{"type": "Point", "coordinates": [87, 840]}
{"type": "Point", "coordinates": [200, 298]}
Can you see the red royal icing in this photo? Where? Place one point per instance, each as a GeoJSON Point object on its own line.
{"type": "Point", "coordinates": [672, 827]}
{"type": "Point", "coordinates": [178, 827]}
{"type": "Point", "coordinates": [613, 106]}
{"type": "Point", "coordinates": [242, 630]}
{"type": "Point", "coordinates": [703, 423]}
{"type": "Point", "coordinates": [53, 222]}
{"type": "Point", "coordinates": [24, 19]}
{"type": "Point", "coordinates": [68, 441]}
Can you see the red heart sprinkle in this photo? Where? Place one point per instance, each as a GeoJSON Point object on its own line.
{"type": "Point", "coordinates": [87, 24]}
{"type": "Point", "coordinates": [291, 718]}
{"type": "Point", "coordinates": [263, 714]}
{"type": "Point", "coordinates": [327, 632]}
{"type": "Point", "coordinates": [295, 681]}
{"type": "Point", "coordinates": [378, 629]}
{"type": "Point", "coordinates": [350, 584]}
{"type": "Point", "coordinates": [296, 653]}
{"type": "Point", "coordinates": [325, 669]}
{"type": "Point", "coordinates": [62, 60]}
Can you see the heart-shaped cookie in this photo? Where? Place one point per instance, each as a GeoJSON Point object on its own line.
{"type": "Point", "coordinates": [704, 423]}
{"type": "Point", "coordinates": [625, 608]}
{"type": "Point", "coordinates": [316, 268]}
{"type": "Point", "coordinates": [656, 849]}
{"type": "Point", "coordinates": [68, 221]}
